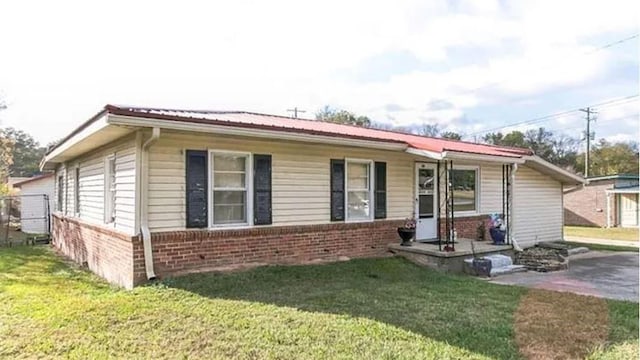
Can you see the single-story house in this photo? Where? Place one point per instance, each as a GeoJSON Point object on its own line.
{"type": "Point", "coordinates": [142, 192]}
{"type": "Point", "coordinates": [36, 202]}
{"type": "Point", "coordinates": [603, 201]}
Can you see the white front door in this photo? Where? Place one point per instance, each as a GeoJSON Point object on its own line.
{"type": "Point", "coordinates": [629, 210]}
{"type": "Point", "coordinates": [426, 209]}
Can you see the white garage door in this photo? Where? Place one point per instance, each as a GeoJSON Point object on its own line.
{"type": "Point", "coordinates": [629, 210]}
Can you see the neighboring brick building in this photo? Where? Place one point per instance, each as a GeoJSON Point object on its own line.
{"type": "Point", "coordinates": [599, 202]}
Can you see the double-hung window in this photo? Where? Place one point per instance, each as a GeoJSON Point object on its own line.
{"type": "Point", "coordinates": [60, 192]}
{"type": "Point", "coordinates": [464, 182]}
{"type": "Point", "coordinates": [359, 190]}
{"type": "Point", "coordinates": [76, 192]}
{"type": "Point", "coordinates": [230, 179]}
{"type": "Point", "coordinates": [110, 190]}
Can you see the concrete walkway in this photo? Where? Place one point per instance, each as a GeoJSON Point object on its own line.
{"type": "Point", "coordinates": [606, 274]}
{"type": "Point", "coordinates": [587, 240]}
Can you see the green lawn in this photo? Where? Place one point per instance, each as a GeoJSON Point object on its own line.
{"type": "Point", "coordinates": [385, 308]}
{"type": "Point", "coordinates": [613, 233]}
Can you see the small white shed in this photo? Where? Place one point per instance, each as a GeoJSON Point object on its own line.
{"type": "Point", "coordinates": [36, 201]}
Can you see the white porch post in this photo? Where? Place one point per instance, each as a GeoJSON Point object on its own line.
{"type": "Point", "coordinates": [608, 209]}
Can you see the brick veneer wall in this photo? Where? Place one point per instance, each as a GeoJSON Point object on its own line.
{"type": "Point", "coordinates": [466, 227]}
{"type": "Point", "coordinates": [119, 258]}
{"type": "Point", "coordinates": [106, 252]}
{"type": "Point", "coordinates": [587, 206]}
{"type": "Point", "coordinates": [179, 252]}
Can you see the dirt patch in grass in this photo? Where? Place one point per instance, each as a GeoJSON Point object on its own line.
{"type": "Point", "coordinates": [554, 325]}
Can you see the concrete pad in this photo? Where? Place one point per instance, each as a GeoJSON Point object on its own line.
{"type": "Point", "coordinates": [612, 275]}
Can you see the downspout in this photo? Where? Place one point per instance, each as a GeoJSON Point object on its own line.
{"type": "Point", "coordinates": [511, 223]}
{"type": "Point", "coordinates": [144, 200]}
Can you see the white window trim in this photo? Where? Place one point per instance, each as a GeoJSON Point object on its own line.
{"type": "Point", "coordinates": [476, 168]}
{"type": "Point", "coordinates": [109, 208]}
{"type": "Point", "coordinates": [346, 189]}
{"type": "Point", "coordinates": [248, 187]}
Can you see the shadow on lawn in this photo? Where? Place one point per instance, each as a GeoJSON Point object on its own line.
{"type": "Point", "coordinates": [461, 311]}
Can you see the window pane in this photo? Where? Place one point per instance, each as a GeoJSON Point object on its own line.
{"type": "Point", "coordinates": [229, 162]}
{"type": "Point", "coordinates": [228, 180]}
{"type": "Point", "coordinates": [358, 205]}
{"type": "Point", "coordinates": [464, 190]}
{"type": "Point", "coordinates": [358, 176]}
{"type": "Point", "coordinates": [229, 207]}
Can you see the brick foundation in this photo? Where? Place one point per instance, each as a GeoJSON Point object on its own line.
{"type": "Point", "coordinates": [180, 252]}
{"type": "Point", "coordinates": [120, 258]}
{"type": "Point", "coordinates": [106, 252]}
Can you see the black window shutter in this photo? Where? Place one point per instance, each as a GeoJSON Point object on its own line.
{"type": "Point", "coordinates": [337, 190]}
{"type": "Point", "coordinates": [196, 192]}
{"type": "Point", "coordinates": [262, 189]}
{"type": "Point", "coordinates": [380, 201]}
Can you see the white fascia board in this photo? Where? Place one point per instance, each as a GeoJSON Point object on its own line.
{"type": "Point", "coordinates": [94, 127]}
{"type": "Point", "coordinates": [623, 191]}
{"type": "Point", "coordinates": [562, 172]}
{"type": "Point", "coordinates": [252, 132]}
{"type": "Point", "coordinates": [424, 153]}
{"type": "Point", "coordinates": [456, 155]}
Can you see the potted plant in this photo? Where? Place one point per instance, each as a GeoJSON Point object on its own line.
{"type": "Point", "coordinates": [407, 232]}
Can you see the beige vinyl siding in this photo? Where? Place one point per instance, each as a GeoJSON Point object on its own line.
{"type": "Point", "coordinates": [537, 208]}
{"type": "Point", "coordinates": [92, 181]}
{"type": "Point", "coordinates": [300, 177]}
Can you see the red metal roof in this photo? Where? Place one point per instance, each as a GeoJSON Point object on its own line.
{"type": "Point", "coordinates": [283, 123]}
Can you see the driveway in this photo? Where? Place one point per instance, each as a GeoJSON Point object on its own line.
{"type": "Point", "coordinates": [602, 241]}
{"type": "Point", "coordinates": [612, 275]}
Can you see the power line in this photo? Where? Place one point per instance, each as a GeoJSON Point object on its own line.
{"type": "Point", "coordinates": [608, 103]}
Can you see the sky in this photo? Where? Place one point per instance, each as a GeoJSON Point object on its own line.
{"type": "Point", "coordinates": [467, 66]}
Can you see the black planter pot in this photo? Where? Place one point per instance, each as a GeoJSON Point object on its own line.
{"type": "Point", "coordinates": [406, 235]}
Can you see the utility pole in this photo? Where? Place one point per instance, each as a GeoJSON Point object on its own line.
{"type": "Point", "coordinates": [589, 111]}
{"type": "Point", "coordinates": [295, 112]}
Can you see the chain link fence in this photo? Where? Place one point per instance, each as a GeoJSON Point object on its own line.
{"type": "Point", "coordinates": [24, 219]}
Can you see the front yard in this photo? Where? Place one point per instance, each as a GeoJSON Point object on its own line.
{"type": "Point", "coordinates": [385, 308]}
{"type": "Point", "coordinates": [614, 233]}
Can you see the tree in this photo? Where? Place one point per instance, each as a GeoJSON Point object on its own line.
{"type": "Point", "coordinates": [431, 130]}
{"type": "Point", "coordinates": [27, 153]}
{"type": "Point", "coordinates": [451, 135]}
{"type": "Point", "coordinates": [608, 159]}
{"type": "Point", "coordinates": [6, 156]}
{"type": "Point", "coordinates": [330, 114]}
{"type": "Point", "coordinates": [6, 151]}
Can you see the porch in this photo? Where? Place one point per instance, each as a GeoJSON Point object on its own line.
{"type": "Point", "coordinates": [430, 255]}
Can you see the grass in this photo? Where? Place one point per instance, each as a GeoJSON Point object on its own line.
{"type": "Point", "coordinates": [600, 247]}
{"type": "Point", "coordinates": [614, 233]}
{"type": "Point", "coordinates": [385, 308]}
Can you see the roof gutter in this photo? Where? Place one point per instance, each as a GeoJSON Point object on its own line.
{"type": "Point", "coordinates": [144, 200]}
{"type": "Point", "coordinates": [458, 155]}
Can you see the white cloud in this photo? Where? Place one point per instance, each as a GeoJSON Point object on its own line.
{"type": "Point", "coordinates": [66, 60]}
